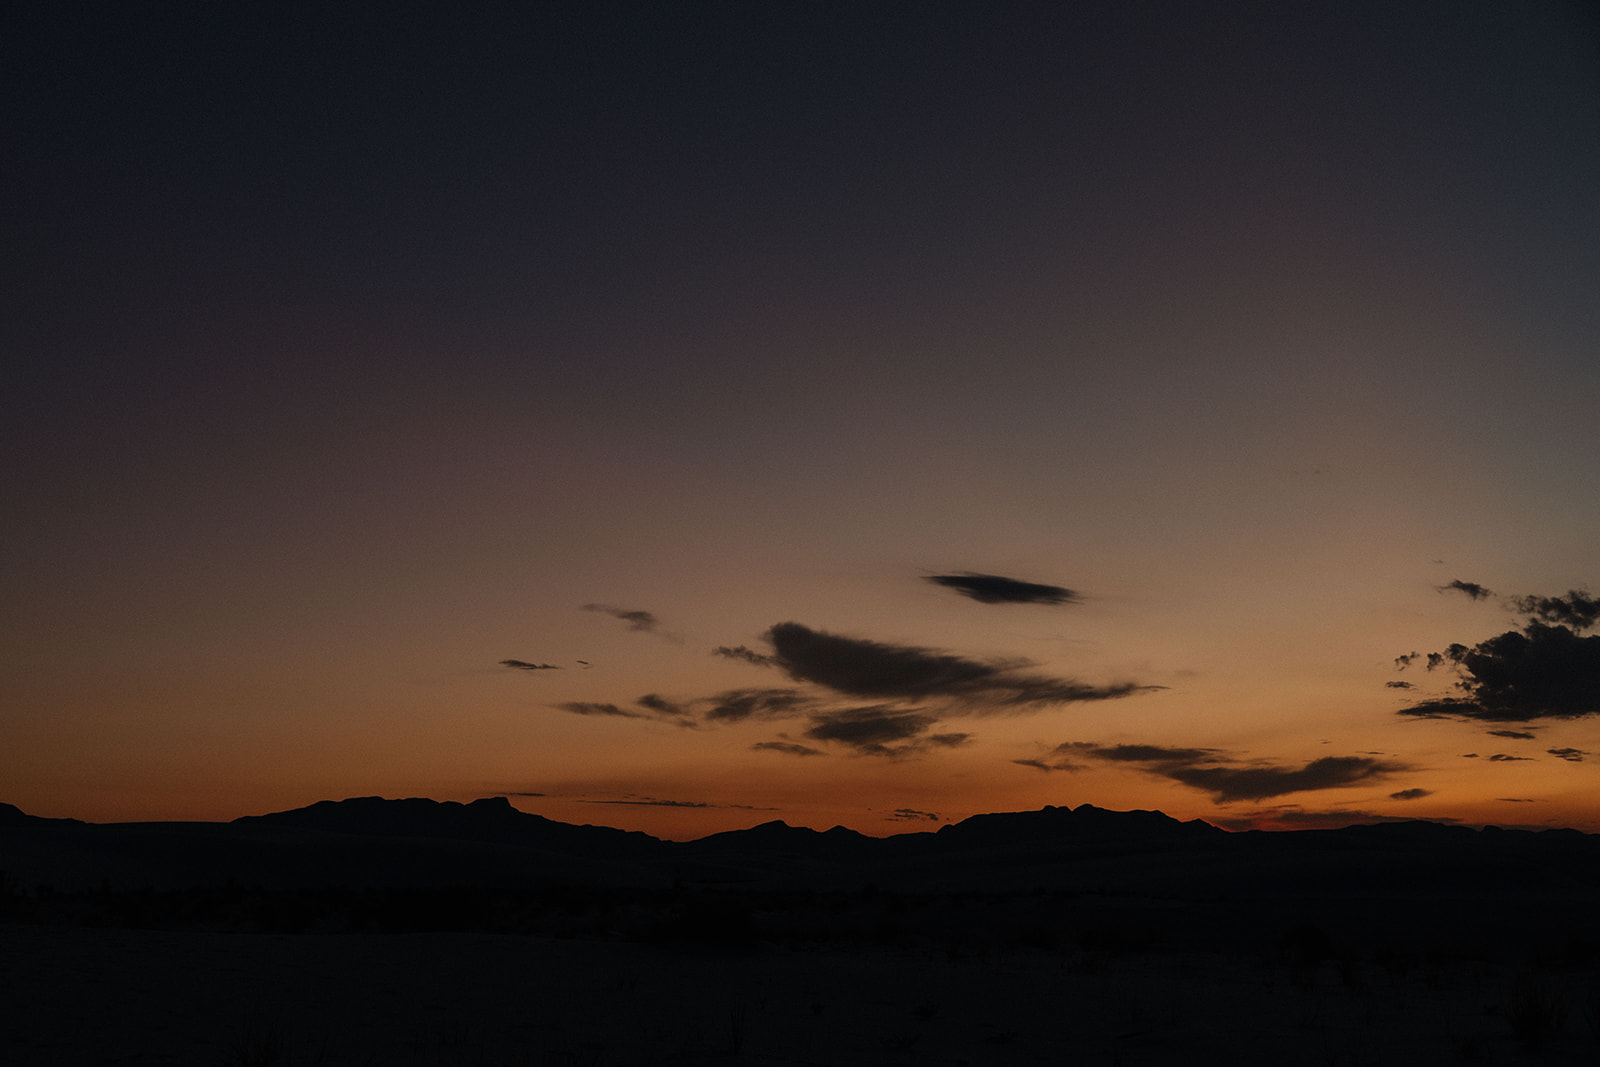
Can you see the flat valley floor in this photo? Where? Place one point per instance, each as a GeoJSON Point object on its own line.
{"type": "Point", "coordinates": [77, 995]}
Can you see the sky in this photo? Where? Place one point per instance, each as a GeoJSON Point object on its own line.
{"type": "Point", "coordinates": [683, 416]}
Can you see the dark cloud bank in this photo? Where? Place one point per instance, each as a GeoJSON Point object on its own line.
{"type": "Point", "coordinates": [1546, 670]}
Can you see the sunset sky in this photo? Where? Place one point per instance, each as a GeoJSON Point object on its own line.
{"type": "Point", "coordinates": [681, 416]}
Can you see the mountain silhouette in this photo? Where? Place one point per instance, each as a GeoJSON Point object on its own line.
{"type": "Point", "coordinates": [418, 842]}
{"type": "Point", "coordinates": [489, 819]}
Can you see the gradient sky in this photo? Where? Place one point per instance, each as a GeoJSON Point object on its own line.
{"type": "Point", "coordinates": [353, 353]}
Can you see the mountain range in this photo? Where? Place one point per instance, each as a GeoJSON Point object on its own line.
{"type": "Point", "coordinates": [419, 843]}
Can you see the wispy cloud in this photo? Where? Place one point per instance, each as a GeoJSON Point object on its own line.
{"type": "Point", "coordinates": [1471, 589]}
{"type": "Point", "coordinates": [860, 667]}
{"type": "Point", "coordinates": [910, 690]}
{"type": "Point", "coordinates": [1257, 783]}
{"type": "Point", "coordinates": [1228, 779]}
{"type": "Point", "coordinates": [524, 665]}
{"type": "Point", "coordinates": [881, 731]}
{"type": "Point", "coordinates": [913, 815]}
{"type": "Point", "coordinates": [640, 621]}
{"type": "Point", "coordinates": [1295, 818]}
{"type": "Point", "coordinates": [994, 589]}
{"type": "Point", "coordinates": [662, 706]}
{"type": "Point", "coordinates": [588, 707]}
{"type": "Point", "coordinates": [736, 705]}
{"type": "Point", "coordinates": [652, 802]}
{"type": "Point", "coordinates": [1411, 794]}
{"type": "Point", "coordinates": [741, 654]}
{"type": "Point", "coordinates": [641, 801]}
{"type": "Point", "coordinates": [1571, 755]}
{"type": "Point", "coordinates": [788, 748]}
{"type": "Point", "coordinates": [1161, 754]}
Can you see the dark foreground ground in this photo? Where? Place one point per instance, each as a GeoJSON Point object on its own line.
{"type": "Point", "coordinates": [715, 976]}
{"type": "Point", "coordinates": [413, 932]}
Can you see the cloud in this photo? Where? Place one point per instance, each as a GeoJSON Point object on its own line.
{"type": "Point", "coordinates": [1399, 685]}
{"type": "Point", "coordinates": [654, 707]}
{"type": "Point", "coordinates": [662, 706]}
{"type": "Point", "coordinates": [1257, 783]}
{"type": "Point", "coordinates": [587, 707]}
{"type": "Point", "coordinates": [1140, 753]}
{"type": "Point", "coordinates": [1501, 757]}
{"type": "Point", "coordinates": [881, 730]}
{"type": "Point", "coordinates": [1472, 589]}
{"type": "Point", "coordinates": [636, 800]}
{"type": "Point", "coordinates": [1539, 672]}
{"type": "Point", "coordinates": [524, 665]}
{"type": "Point", "coordinates": [874, 731]}
{"type": "Point", "coordinates": [1056, 762]}
{"type": "Point", "coordinates": [652, 802]}
{"type": "Point", "coordinates": [1571, 755]}
{"type": "Point", "coordinates": [642, 621]}
{"type": "Point", "coordinates": [1411, 794]}
{"type": "Point", "coordinates": [860, 727]}
{"type": "Point", "coordinates": [913, 815]}
{"type": "Point", "coordinates": [1228, 780]}
{"type": "Point", "coordinates": [1577, 609]}
{"type": "Point", "coordinates": [743, 655]}
{"type": "Point", "coordinates": [1403, 661]}
{"type": "Point", "coordinates": [910, 687]}
{"type": "Point", "coordinates": [1291, 817]}
{"type": "Point", "coordinates": [788, 748]}
{"type": "Point", "coordinates": [736, 705]}
{"type": "Point", "coordinates": [860, 667]}
{"type": "Point", "coordinates": [1515, 735]}
{"type": "Point", "coordinates": [993, 589]}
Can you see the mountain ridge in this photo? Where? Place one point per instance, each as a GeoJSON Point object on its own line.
{"type": "Point", "coordinates": [419, 842]}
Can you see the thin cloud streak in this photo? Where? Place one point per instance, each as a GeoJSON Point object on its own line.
{"type": "Point", "coordinates": [524, 665]}
{"type": "Point", "coordinates": [1227, 780]}
{"type": "Point", "coordinates": [639, 621]}
{"type": "Point", "coordinates": [593, 708]}
{"type": "Point", "coordinates": [741, 654]}
{"type": "Point", "coordinates": [788, 748]}
{"type": "Point", "coordinates": [994, 589]}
